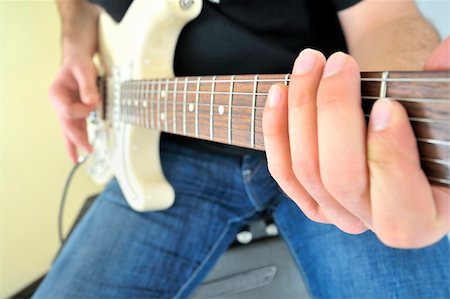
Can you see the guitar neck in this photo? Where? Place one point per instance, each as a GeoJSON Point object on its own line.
{"type": "Point", "coordinates": [229, 109]}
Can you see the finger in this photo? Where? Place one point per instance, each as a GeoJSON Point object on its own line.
{"type": "Point", "coordinates": [341, 135]}
{"type": "Point", "coordinates": [276, 140]}
{"type": "Point", "coordinates": [441, 197]}
{"type": "Point", "coordinates": [71, 150]}
{"type": "Point", "coordinates": [77, 133]}
{"type": "Point", "coordinates": [303, 87]}
{"type": "Point", "coordinates": [404, 211]}
{"type": "Point", "coordinates": [67, 104]}
{"type": "Point", "coordinates": [440, 58]}
{"type": "Point", "coordinates": [86, 76]}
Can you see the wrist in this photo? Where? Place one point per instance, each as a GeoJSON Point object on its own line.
{"type": "Point", "coordinates": [79, 28]}
{"type": "Point", "coordinates": [78, 48]}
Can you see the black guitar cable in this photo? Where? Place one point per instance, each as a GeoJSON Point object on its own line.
{"type": "Point", "coordinates": [80, 161]}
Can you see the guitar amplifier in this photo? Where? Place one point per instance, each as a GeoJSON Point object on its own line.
{"type": "Point", "coordinates": [262, 267]}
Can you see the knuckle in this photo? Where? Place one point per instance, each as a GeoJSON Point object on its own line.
{"type": "Point", "coordinates": [312, 211]}
{"type": "Point", "coordinates": [307, 172]}
{"type": "Point", "coordinates": [301, 100]}
{"type": "Point", "coordinates": [328, 102]}
{"type": "Point", "coordinates": [314, 215]}
{"type": "Point", "coordinates": [282, 175]}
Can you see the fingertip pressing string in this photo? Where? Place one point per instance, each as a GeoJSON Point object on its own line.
{"type": "Point", "coordinates": [80, 160]}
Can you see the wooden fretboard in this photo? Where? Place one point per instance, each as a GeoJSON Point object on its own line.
{"type": "Point", "coordinates": [229, 109]}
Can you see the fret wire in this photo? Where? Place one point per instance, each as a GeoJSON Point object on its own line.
{"type": "Point", "coordinates": [230, 107]}
{"type": "Point", "coordinates": [196, 106]}
{"type": "Point", "coordinates": [211, 111]}
{"type": "Point", "coordinates": [255, 89]}
{"type": "Point", "coordinates": [184, 106]}
{"type": "Point", "coordinates": [383, 87]}
{"type": "Point", "coordinates": [165, 104]}
{"type": "Point", "coordinates": [286, 79]}
{"type": "Point", "coordinates": [174, 112]}
{"type": "Point", "coordinates": [152, 118]}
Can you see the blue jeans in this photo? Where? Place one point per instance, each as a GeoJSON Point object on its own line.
{"type": "Point", "coordinates": [116, 252]}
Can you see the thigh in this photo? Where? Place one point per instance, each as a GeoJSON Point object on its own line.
{"type": "Point", "coordinates": [116, 252]}
{"type": "Point", "coordinates": [338, 265]}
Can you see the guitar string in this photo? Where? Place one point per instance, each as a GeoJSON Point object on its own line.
{"type": "Point", "coordinates": [139, 120]}
{"type": "Point", "coordinates": [419, 100]}
{"type": "Point", "coordinates": [236, 130]}
{"type": "Point", "coordinates": [282, 80]}
{"type": "Point", "coordinates": [131, 104]}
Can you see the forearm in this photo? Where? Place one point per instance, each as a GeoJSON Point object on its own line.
{"type": "Point", "coordinates": [79, 27]}
{"type": "Point", "coordinates": [400, 44]}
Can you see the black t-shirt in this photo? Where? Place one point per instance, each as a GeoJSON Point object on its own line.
{"type": "Point", "coordinates": [249, 37]}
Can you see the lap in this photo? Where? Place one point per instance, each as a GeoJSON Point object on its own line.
{"type": "Point", "coordinates": [339, 265]}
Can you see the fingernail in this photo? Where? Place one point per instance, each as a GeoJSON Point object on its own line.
{"type": "Point", "coordinates": [381, 115]}
{"type": "Point", "coordinates": [274, 96]}
{"type": "Point", "coordinates": [305, 62]}
{"type": "Point", "coordinates": [334, 64]}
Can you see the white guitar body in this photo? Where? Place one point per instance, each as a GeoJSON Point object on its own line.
{"type": "Point", "coordinates": [141, 46]}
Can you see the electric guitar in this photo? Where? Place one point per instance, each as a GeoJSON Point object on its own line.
{"type": "Point", "coordinates": [141, 98]}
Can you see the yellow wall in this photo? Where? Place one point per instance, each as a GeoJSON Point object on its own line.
{"type": "Point", "coordinates": [33, 164]}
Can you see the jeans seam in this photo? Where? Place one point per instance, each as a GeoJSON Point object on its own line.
{"type": "Point", "coordinates": [257, 167]}
{"type": "Point", "coordinates": [251, 195]}
{"type": "Point", "coordinates": [210, 253]}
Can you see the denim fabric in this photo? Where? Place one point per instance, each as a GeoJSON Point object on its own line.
{"type": "Point", "coordinates": [116, 252]}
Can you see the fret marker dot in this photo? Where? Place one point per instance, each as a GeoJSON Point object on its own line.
{"type": "Point", "coordinates": [191, 107]}
{"type": "Point", "coordinates": [144, 104]}
{"type": "Point", "coordinates": [136, 103]}
{"type": "Point", "coordinates": [129, 103]}
{"type": "Point", "coordinates": [221, 109]}
{"type": "Point", "coordinates": [163, 94]}
{"type": "Point", "coordinates": [163, 116]}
